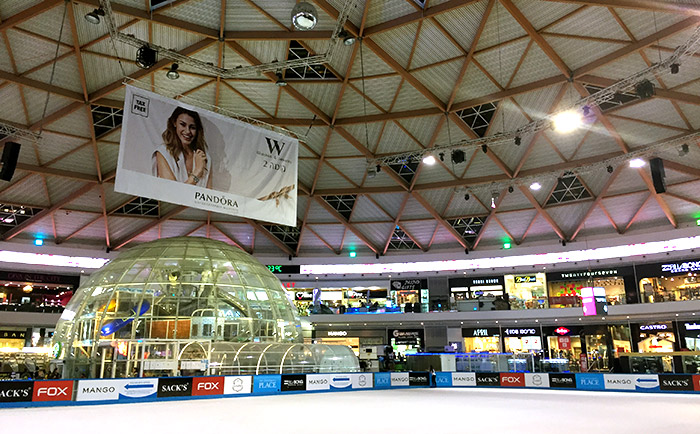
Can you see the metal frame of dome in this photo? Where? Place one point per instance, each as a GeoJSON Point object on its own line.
{"type": "Point", "coordinates": [141, 310]}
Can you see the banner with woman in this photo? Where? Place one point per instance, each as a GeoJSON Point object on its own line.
{"type": "Point", "coordinates": [186, 155]}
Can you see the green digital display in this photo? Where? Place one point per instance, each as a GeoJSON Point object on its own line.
{"type": "Point", "coordinates": [284, 269]}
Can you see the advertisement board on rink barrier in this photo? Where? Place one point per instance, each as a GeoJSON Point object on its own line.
{"type": "Point", "coordinates": [238, 385]}
{"type": "Point", "coordinates": [117, 390]}
{"type": "Point", "coordinates": [62, 392]}
{"type": "Point", "coordinates": [53, 390]}
{"type": "Point", "coordinates": [536, 380]}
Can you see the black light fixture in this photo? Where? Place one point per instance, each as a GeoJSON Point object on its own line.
{"type": "Point", "coordinates": [458, 156]}
{"type": "Point", "coordinates": [484, 149]}
{"type": "Point", "coordinates": [347, 38]}
{"type": "Point", "coordinates": [466, 196]}
{"type": "Point", "coordinates": [610, 169]}
{"type": "Point", "coordinates": [517, 140]}
{"type": "Point", "coordinates": [94, 16]}
{"type": "Point", "coordinates": [644, 89]}
{"type": "Point", "coordinates": [172, 72]}
{"type": "Point", "coordinates": [586, 110]}
{"type": "Point", "coordinates": [466, 250]}
{"type": "Point", "coordinates": [510, 189]}
{"type": "Point", "coordinates": [146, 57]}
{"type": "Point", "coordinates": [563, 243]}
{"type": "Point", "coordinates": [683, 150]}
{"type": "Point", "coordinates": [280, 79]}
{"type": "Point", "coordinates": [304, 16]}
{"type": "Point", "coordinates": [675, 68]}
{"type": "Point", "coordinates": [379, 168]}
{"type": "Point", "coordinates": [442, 156]}
{"type": "Point", "coordinates": [371, 172]}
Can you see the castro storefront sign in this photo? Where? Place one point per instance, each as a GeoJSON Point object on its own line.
{"type": "Point", "coordinates": [53, 390]}
{"type": "Point", "coordinates": [236, 385]}
{"type": "Point", "coordinates": [488, 379]}
{"type": "Point", "coordinates": [16, 391]}
{"type": "Point", "coordinates": [112, 390]}
{"type": "Point", "coordinates": [293, 382]}
{"type": "Point", "coordinates": [676, 382]}
{"type": "Point", "coordinates": [562, 380]}
{"type": "Point", "coordinates": [202, 386]}
{"type": "Point", "coordinates": [512, 380]}
{"type": "Point", "coordinates": [170, 387]}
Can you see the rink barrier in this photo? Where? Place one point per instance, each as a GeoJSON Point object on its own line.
{"type": "Point", "coordinates": [28, 393]}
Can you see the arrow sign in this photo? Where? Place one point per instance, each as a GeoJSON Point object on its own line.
{"type": "Point", "coordinates": [138, 386]}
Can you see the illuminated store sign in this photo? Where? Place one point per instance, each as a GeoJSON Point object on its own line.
{"type": "Point", "coordinates": [409, 284]}
{"type": "Point", "coordinates": [479, 332]}
{"type": "Point", "coordinates": [337, 333]}
{"type": "Point", "coordinates": [284, 269]}
{"type": "Point", "coordinates": [561, 331]}
{"type": "Point", "coordinates": [693, 326]}
{"type": "Point", "coordinates": [485, 281]}
{"type": "Point", "coordinates": [681, 267]}
{"type": "Point", "coordinates": [591, 273]}
{"type": "Point", "coordinates": [13, 334]}
{"type": "Point", "coordinates": [526, 279]}
{"type": "Point", "coordinates": [520, 332]}
{"type": "Point", "coordinates": [652, 327]}
{"type": "Point", "coordinates": [406, 337]}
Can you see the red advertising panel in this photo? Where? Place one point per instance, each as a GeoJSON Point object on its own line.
{"type": "Point", "coordinates": [696, 383]}
{"type": "Point", "coordinates": [61, 390]}
{"type": "Point", "coordinates": [564, 342]}
{"type": "Point", "coordinates": [513, 380]}
{"type": "Point", "coordinates": [207, 386]}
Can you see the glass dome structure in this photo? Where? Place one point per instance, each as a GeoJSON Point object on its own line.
{"type": "Point", "coordinates": [139, 313]}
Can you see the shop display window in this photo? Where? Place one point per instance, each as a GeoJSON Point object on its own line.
{"type": "Point", "coordinates": [567, 293]}
{"type": "Point", "coordinates": [670, 288]}
{"type": "Point", "coordinates": [597, 352]}
{"type": "Point", "coordinates": [527, 291]}
{"type": "Point", "coordinates": [656, 342]}
{"type": "Point", "coordinates": [483, 344]}
{"type": "Point", "coordinates": [564, 348]}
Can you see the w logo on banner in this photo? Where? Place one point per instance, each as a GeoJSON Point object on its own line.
{"type": "Point", "coordinates": [274, 145]}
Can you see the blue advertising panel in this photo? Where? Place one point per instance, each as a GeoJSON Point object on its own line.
{"type": "Point", "coordinates": [590, 381]}
{"type": "Point", "coordinates": [443, 379]}
{"type": "Point", "coordinates": [382, 380]}
{"type": "Point", "coordinates": [267, 384]}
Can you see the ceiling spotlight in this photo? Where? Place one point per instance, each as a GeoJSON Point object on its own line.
{"type": "Point", "coordinates": [510, 189]}
{"type": "Point", "coordinates": [442, 156]}
{"type": "Point", "coordinates": [347, 38]}
{"type": "Point", "coordinates": [644, 89]}
{"type": "Point", "coordinates": [146, 57]}
{"type": "Point", "coordinates": [379, 168]}
{"type": "Point", "coordinates": [172, 72]}
{"type": "Point", "coordinates": [304, 16]}
{"type": "Point", "coordinates": [429, 160]}
{"type": "Point", "coordinates": [458, 156]}
{"type": "Point", "coordinates": [484, 149]}
{"type": "Point", "coordinates": [610, 169]}
{"type": "Point", "coordinates": [371, 172]}
{"type": "Point", "coordinates": [466, 252]}
{"type": "Point", "coordinates": [535, 186]}
{"type": "Point", "coordinates": [675, 68]}
{"type": "Point", "coordinates": [280, 80]}
{"type": "Point", "coordinates": [517, 140]}
{"type": "Point", "coordinates": [586, 110]}
{"type": "Point", "coordinates": [566, 122]}
{"type": "Point", "coordinates": [466, 196]}
{"type": "Point", "coordinates": [683, 149]}
{"type": "Point", "coordinates": [637, 162]}
{"type": "Point", "coordinates": [94, 16]}
{"type": "Point", "coordinates": [493, 203]}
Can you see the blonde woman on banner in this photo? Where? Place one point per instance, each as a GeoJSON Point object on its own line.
{"type": "Point", "coordinates": [183, 155]}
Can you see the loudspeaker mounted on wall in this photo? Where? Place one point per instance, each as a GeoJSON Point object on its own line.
{"type": "Point", "coordinates": [10, 153]}
{"type": "Point", "coordinates": [658, 175]}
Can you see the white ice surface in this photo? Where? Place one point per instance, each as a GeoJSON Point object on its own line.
{"type": "Point", "coordinates": [407, 411]}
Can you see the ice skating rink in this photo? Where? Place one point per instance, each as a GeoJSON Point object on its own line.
{"type": "Point", "coordinates": [430, 411]}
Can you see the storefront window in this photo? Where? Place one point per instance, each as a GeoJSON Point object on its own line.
{"type": "Point", "coordinates": [481, 340]}
{"type": "Point", "coordinates": [341, 300]}
{"type": "Point", "coordinates": [527, 291]}
{"type": "Point", "coordinates": [656, 338]}
{"type": "Point", "coordinates": [597, 352]}
{"type": "Point", "coordinates": [566, 349]}
{"type": "Point", "coordinates": [670, 288]}
{"type": "Point", "coordinates": [567, 293]}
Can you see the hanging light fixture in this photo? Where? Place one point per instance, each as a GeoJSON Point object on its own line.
{"type": "Point", "coordinates": [429, 160]}
{"type": "Point", "coordinates": [94, 16]}
{"type": "Point", "coordinates": [146, 57]}
{"type": "Point", "coordinates": [172, 72]}
{"type": "Point", "coordinates": [566, 122]}
{"type": "Point", "coordinates": [304, 16]}
{"type": "Point", "coordinates": [280, 80]}
{"type": "Point", "coordinates": [347, 38]}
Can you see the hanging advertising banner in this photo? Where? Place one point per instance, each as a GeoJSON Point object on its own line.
{"type": "Point", "coordinates": [185, 155]}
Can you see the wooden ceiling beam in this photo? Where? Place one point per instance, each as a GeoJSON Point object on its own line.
{"type": "Point", "coordinates": [24, 81]}
{"type": "Point", "coordinates": [526, 191]}
{"type": "Point", "coordinates": [276, 35]}
{"type": "Point", "coordinates": [597, 200]}
{"type": "Point", "coordinates": [29, 13]}
{"type": "Point", "coordinates": [658, 198]}
{"type": "Point", "coordinates": [46, 212]}
{"type": "Point", "coordinates": [150, 225]}
{"type": "Point", "coordinates": [419, 15]}
{"type": "Point", "coordinates": [645, 5]}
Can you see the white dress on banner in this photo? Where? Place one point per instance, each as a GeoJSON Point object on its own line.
{"type": "Point", "coordinates": [179, 169]}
